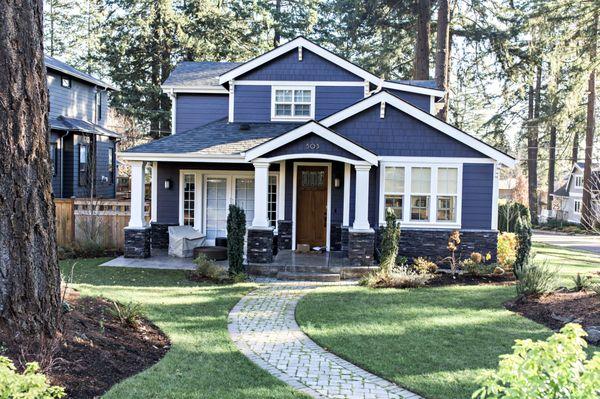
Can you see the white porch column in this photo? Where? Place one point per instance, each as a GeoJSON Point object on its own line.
{"type": "Point", "coordinates": [261, 188]}
{"type": "Point", "coordinates": [154, 192]}
{"type": "Point", "coordinates": [137, 219]}
{"type": "Point", "coordinates": [361, 203]}
{"type": "Point", "coordinates": [346, 210]}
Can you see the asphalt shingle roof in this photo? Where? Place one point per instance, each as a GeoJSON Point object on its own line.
{"type": "Point", "coordinates": [561, 192]}
{"type": "Point", "coordinates": [79, 125]}
{"type": "Point", "coordinates": [60, 66]}
{"type": "Point", "coordinates": [428, 84]}
{"type": "Point", "coordinates": [189, 73]}
{"type": "Point", "coordinates": [218, 138]}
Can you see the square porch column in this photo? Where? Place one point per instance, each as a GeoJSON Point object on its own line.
{"type": "Point", "coordinates": [361, 237]}
{"type": "Point", "coordinates": [137, 233]}
{"type": "Point", "coordinates": [260, 234]}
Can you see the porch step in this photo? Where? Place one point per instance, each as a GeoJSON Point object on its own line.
{"type": "Point", "coordinates": [306, 276]}
{"type": "Point", "coordinates": [310, 269]}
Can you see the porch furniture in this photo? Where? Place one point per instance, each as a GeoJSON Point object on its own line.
{"type": "Point", "coordinates": [212, 253]}
{"type": "Point", "coordinates": [221, 242]}
{"type": "Point", "coordinates": [183, 240]}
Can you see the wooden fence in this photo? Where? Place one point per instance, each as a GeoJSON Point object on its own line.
{"type": "Point", "coordinates": [102, 221]}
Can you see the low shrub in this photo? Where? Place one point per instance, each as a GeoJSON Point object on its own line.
{"type": "Point", "coordinates": [452, 246]}
{"type": "Point", "coordinates": [537, 279]}
{"type": "Point", "coordinates": [596, 289]}
{"type": "Point", "coordinates": [507, 250]}
{"type": "Point", "coordinates": [128, 314]}
{"type": "Point", "coordinates": [476, 265]}
{"type": "Point", "coordinates": [399, 277]}
{"type": "Point", "coordinates": [555, 368]}
{"type": "Point", "coordinates": [208, 269]}
{"type": "Point", "coordinates": [30, 384]}
{"type": "Point", "coordinates": [581, 282]}
{"type": "Point", "coordinates": [390, 241]}
{"type": "Point", "coordinates": [423, 266]}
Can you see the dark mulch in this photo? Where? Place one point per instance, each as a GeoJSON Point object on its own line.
{"type": "Point", "coordinates": [556, 309]}
{"type": "Point", "coordinates": [96, 351]}
{"type": "Point", "coordinates": [443, 279]}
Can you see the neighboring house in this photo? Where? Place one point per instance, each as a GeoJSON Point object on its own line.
{"type": "Point", "coordinates": [569, 197]}
{"type": "Point", "coordinates": [314, 149]}
{"type": "Point", "coordinates": [81, 147]}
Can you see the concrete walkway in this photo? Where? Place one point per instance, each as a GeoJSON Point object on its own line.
{"type": "Point", "coordinates": [578, 242]}
{"type": "Point", "coordinates": [264, 328]}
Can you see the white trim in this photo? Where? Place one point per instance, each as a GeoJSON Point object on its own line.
{"type": "Point", "coordinates": [361, 201]}
{"type": "Point", "coordinates": [196, 89]}
{"type": "Point", "coordinates": [413, 89]}
{"type": "Point", "coordinates": [281, 192]}
{"type": "Point", "coordinates": [316, 128]}
{"type": "Point", "coordinates": [313, 155]}
{"type": "Point", "coordinates": [346, 210]}
{"type": "Point", "coordinates": [495, 198]}
{"type": "Point", "coordinates": [299, 53]}
{"type": "Point", "coordinates": [431, 105]}
{"type": "Point", "coordinates": [293, 103]}
{"type": "Point", "coordinates": [382, 110]}
{"type": "Point", "coordinates": [367, 88]}
{"type": "Point", "coordinates": [315, 83]}
{"type": "Point", "coordinates": [434, 160]}
{"type": "Point", "coordinates": [261, 190]}
{"type": "Point", "coordinates": [173, 98]}
{"type": "Point", "coordinates": [423, 117]}
{"type": "Point", "coordinates": [295, 196]}
{"type": "Point", "coordinates": [137, 218]}
{"type": "Point", "coordinates": [154, 192]}
{"type": "Point", "coordinates": [299, 41]}
{"type": "Point", "coordinates": [231, 113]}
{"type": "Point", "coordinates": [181, 157]}
{"type": "Point", "coordinates": [82, 76]}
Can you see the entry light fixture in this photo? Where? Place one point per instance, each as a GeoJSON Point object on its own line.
{"type": "Point", "coordinates": [168, 184]}
{"type": "Point", "coordinates": [336, 182]}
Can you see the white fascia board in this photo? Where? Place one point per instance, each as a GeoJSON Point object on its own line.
{"type": "Point", "coordinates": [297, 83]}
{"type": "Point", "coordinates": [306, 44]}
{"type": "Point", "coordinates": [413, 89]}
{"type": "Point", "coordinates": [311, 127]}
{"type": "Point", "coordinates": [434, 160]}
{"type": "Point", "coordinates": [424, 117]}
{"type": "Point", "coordinates": [180, 157]}
{"type": "Point", "coordinates": [195, 89]}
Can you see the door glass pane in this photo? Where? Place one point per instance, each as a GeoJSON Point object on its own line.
{"type": "Point", "coordinates": [272, 201]}
{"type": "Point", "coordinates": [189, 199]}
{"type": "Point", "coordinates": [244, 197]}
{"type": "Point", "coordinates": [216, 208]}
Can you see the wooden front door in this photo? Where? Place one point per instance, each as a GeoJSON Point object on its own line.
{"type": "Point", "coordinates": [311, 206]}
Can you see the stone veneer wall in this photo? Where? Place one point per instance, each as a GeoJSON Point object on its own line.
{"type": "Point", "coordinates": [335, 236]}
{"type": "Point", "coordinates": [361, 245]}
{"type": "Point", "coordinates": [344, 240]}
{"type": "Point", "coordinates": [160, 234]}
{"type": "Point", "coordinates": [260, 245]}
{"type": "Point", "coordinates": [284, 234]}
{"type": "Point", "coordinates": [137, 243]}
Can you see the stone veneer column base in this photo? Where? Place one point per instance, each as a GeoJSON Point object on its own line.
{"type": "Point", "coordinates": [260, 245]}
{"type": "Point", "coordinates": [284, 234]}
{"type": "Point", "coordinates": [345, 240]}
{"type": "Point", "coordinates": [361, 245]}
{"type": "Point", "coordinates": [160, 234]}
{"type": "Point", "coordinates": [137, 242]}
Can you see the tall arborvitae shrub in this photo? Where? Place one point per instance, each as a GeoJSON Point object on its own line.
{"type": "Point", "coordinates": [509, 214]}
{"type": "Point", "coordinates": [236, 231]}
{"type": "Point", "coordinates": [390, 241]}
{"type": "Point", "coordinates": [524, 244]}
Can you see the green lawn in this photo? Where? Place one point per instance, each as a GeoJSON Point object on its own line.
{"type": "Point", "coordinates": [434, 341]}
{"type": "Point", "coordinates": [568, 261]}
{"type": "Point", "coordinates": [203, 362]}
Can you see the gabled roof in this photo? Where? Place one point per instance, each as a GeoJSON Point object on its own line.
{"type": "Point", "coordinates": [198, 75]}
{"type": "Point", "coordinates": [425, 117]}
{"type": "Point", "coordinates": [561, 192]}
{"type": "Point", "coordinates": [59, 66]}
{"type": "Point", "coordinates": [80, 125]}
{"type": "Point", "coordinates": [309, 128]}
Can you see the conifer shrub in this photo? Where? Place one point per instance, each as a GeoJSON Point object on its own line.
{"type": "Point", "coordinates": [236, 232]}
{"type": "Point", "coordinates": [389, 242]}
{"type": "Point", "coordinates": [524, 246]}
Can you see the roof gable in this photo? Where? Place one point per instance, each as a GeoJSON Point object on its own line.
{"type": "Point", "coordinates": [59, 66]}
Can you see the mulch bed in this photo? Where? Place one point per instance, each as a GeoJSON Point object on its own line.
{"type": "Point", "coordinates": [556, 309]}
{"type": "Point", "coordinates": [96, 351]}
{"type": "Point", "coordinates": [443, 279]}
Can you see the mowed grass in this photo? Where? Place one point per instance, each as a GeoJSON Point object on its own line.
{"type": "Point", "coordinates": [437, 342]}
{"type": "Point", "coordinates": [569, 262]}
{"type": "Point", "coordinates": [203, 362]}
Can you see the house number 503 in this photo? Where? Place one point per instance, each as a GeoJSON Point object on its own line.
{"type": "Point", "coordinates": [312, 146]}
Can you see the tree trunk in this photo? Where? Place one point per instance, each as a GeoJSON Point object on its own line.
{"type": "Point", "coordinates": [421, 64]}
{"type": "Point", "coordinates": [551, 166]}
{"type": "Point", "coordinates": [442, 56]}
{"type": "Point", "coordinates": [277, 36]}
{"type": "Point", "coordinates": [575, 150]}
{"type": "Point", "coordinates": [587, 212]}
{"type": "Point", "coordinates": [532, 147]}
{"type": "Point", "coordinates": [29, 274]}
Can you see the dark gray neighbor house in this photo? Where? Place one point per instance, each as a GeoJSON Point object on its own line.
{"type": "Point", "coordinates": [82, 148]}
{"type": "Point", "coordinates": [314, 149]}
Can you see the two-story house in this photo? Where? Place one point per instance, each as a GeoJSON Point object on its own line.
{"type": "Point", "coordinates": [569, 197]}
{"type": "Point", "coordinates": [314, 149]}
{"type": "Point", "coordinates": [82, 149]}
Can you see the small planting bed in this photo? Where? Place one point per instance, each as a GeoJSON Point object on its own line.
{"type": "Point", "coordinates": [443, 279]}
{"type": "Point", "coordinates": [96, 350]}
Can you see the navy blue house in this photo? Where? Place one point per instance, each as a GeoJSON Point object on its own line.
{"type": "Point", "coordinates": [82, 148]}
{"type": "Point", "coordinates": [314, 149]}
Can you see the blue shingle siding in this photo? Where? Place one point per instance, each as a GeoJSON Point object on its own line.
{"type": "Point", "coordinates": [418, 100]}
{"type": "Point", "coordinates": [311, 144]}
{"type": "Point", "coordinates": [478, 181]}
{"type": "Point", "coordinates": [331, 99]}
{"type": "Point", "coordinates": [337, 194]}
{"type": "Point", "coordinates": [195, 110]}
{"type": "Point", "coordinates": [252, 104]}
{"type": "Point", "coordinates": [288, 67]}
{"type": "Point", "coordinates": [399, 134]}
{"type": "Point", "coordinates": [289, 189]}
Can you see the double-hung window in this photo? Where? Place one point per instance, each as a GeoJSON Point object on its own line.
{"type": "Point", "coordinates": [447, 194]}
{"type": "Point", "coordinates": [293, 103]}
{"type": "Point", "coordinates": [420, 194]}
{"type": "Point", "coordinates": [578, 181]}
{"type": "Point", "coordinates": [394, 190]}
{"type": "Point", "coordinates": [577, 206]}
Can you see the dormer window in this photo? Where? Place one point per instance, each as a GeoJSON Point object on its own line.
{"type": "Point", "coordinates": [292, 103]}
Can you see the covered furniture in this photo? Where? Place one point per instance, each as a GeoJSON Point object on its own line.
{"type": "Point", "coordinates": [183, 240]}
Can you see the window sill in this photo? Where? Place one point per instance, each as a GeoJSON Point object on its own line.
{"type": "Point", "coordinates": [291, 118]}
{"type": "Point", "coordinates": [430, 225]}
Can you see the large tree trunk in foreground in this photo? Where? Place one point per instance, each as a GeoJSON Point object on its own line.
{"type": "Point", "coordinates": [551, 166]}
{"type": "Point", "coordinates": [442, 56]}
{"type": "Point", "coordinates": [532, 146]}
{"type": "Point", "coordinates": [29, 274]}
{"type": "Point", "coordinates": [421, 65]}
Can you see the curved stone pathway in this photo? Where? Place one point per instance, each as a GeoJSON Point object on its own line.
{"type": "Point", "coordinates": [264, 328]}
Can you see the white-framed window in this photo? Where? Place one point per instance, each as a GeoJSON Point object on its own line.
{"type": "Point", "coordinates": [292, 103]}
{"type": "Point", "coordinates": [578, 181]}
{"type": "Point", "coordinates": [65, 82]}
{"type": "Point", "coordinates": [272, 200]}
{"type": "Point", "coordinates": [189, 199]}
{"type": "Point", "coordinates": [420, 194]}
{"type": "Point", "coordinates": [577, 206]}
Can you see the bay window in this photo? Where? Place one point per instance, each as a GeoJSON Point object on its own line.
{"type": "Point", "coordinates": [293, 103]}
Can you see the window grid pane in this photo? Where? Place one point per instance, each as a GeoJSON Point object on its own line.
{"type": "Point", "coordinates": [447, 180]}
{"type": "Point", "coordinates": [272, 201]}
{"type": "Point", "coordinates": [216, 208]}
{"type": "Point", "coordinates": [189, 199]}
{"type": "Point", "coordinates": [293, 103]}
{"type": "Point", "coordinates": [283, 109]}
{"type": "Point", "coordinates": [419, 209]}
{"type": "Point", "coordinates": [421, 180]}
{"type": "Point", "coordinates": [446, 208]}
{"type": "Point", "coordinates": [394, 202]}
{"type": "Point", "coordinates": [394, 180]}
{"type": "Point", "coordinates": [244, 197]}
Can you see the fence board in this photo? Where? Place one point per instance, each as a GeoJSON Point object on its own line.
{"type": "Point", "coordinates": [65, 221]}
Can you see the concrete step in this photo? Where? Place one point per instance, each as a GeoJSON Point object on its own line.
{"type": "Point", "coordinates": [310, 269]}
{"type": "Point", "coordinates": [305, 276]}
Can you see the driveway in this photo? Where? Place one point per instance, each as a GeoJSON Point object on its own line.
{"type": "Point", "coordinates": [581, 242]}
